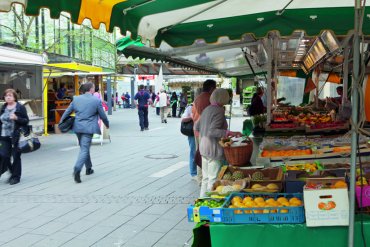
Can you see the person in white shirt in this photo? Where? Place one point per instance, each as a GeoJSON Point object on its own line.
{"type": "Point", "coordinates": [162, 101]}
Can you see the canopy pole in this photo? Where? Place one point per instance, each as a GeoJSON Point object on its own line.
{"type": "Point", "coordinates": [269, 78]}
{"type": "Point", "coordinates": [355, 104]}
{"type": "Point", "coordinates": [109, 94]}
{"type": "Point", "coordinates": [345, 74]}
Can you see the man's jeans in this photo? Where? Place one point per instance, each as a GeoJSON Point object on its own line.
{"type": "Point", "coordinates": [143, 117]}
{"type": "Point", "coordinates": [193, 166]}
{"type": "Point", "coordinates": [84, 141]}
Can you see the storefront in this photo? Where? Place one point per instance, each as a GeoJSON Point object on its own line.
{"type": "Point", "coordinates": [22, 71]}
{"type": "Point", "coordinates": [61, 82]}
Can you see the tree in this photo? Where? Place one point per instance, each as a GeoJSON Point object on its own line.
{"type": "Point", "coordinates": [21, 29]}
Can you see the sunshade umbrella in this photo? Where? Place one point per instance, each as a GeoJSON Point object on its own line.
{"type": "Point", "coordinates": [179, 23]}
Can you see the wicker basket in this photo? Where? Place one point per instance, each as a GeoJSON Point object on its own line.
{"type": "Point", "coordinates": [240, 155]}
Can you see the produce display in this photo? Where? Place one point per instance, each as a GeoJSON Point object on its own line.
{"type": "Point", "coordinates": [211, 203]}
{"type": "Point", "coordinates": [308, 167]}
{"type": "Point", "coordinates": [284, 153]}
{"type": "Point", "coordinates": [323, 185]}
{"type": "Point", "coordinates": [264, 204]}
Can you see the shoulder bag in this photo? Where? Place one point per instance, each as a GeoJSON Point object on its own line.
{"type": "Point", "coordinates": [28, 143]}
{"type": "Point", "coordinates": [67, 124]}
{"type": "Point", "coordinates": [187, 128]}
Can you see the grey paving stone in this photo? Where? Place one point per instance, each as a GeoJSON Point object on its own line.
{"type": "Point", "coordinates": [162, 225]}
{"type": "Point", "coordinates": [115, 220]}
{"type": "Point", "coordinates": [54, 240]}
{"type": "Point", "coordinates": [49, 228]}
{"type": "Point", "coordinates": [158, 209]}
{"type": "Point", "coordinates": [143, 219]}
{"type": "Point", "coordinates": [12, 233]}
{"type": "Point", "coordinates": [36, 222]}
{"type": "Point", "coordinates": [144, 238]}
{"type": "Point", "coordinates": [133, 210]}
{"type": "Point", "coordinates": [79, 226]}
{"type": "Point", "coordinates": [11, 222]}
{"type": "Point", "coordinates": [175, 237]}
{"type": "Point", "coordinates": [25, 240]}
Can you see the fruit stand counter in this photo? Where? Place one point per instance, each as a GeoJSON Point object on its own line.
{"type": "Point", "coordinates": [267, 235]}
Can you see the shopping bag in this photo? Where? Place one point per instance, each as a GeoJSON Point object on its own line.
{"type": "Point", "coordinates": [28, 143]}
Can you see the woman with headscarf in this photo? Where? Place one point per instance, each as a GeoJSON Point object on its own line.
{"type": "Point", "coordinates": [212, 126]}
{"type": "Point", "coordinates": [174, 99]}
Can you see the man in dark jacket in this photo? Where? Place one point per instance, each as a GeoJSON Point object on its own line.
{"type": "Point", "coordinates": [257, 107]}
{"type": "Point", "coordinates": [87, 109]}
{"type": "Point", "coordinates": [142, 99]}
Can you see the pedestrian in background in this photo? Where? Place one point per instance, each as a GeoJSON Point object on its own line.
{"type": "Point", "coordinates": [212, 126]}
{"type": "Point", "coordinates": [187, 117]}
{"type": "Point", "coordinates": [163, 102]}
{"type": "Point", "coordinates": [183, 103]}
{"type": "Point", "coordinates": [173, 101]}
{"type": "Point", "coordinates": [13, 121]}
{"type": "Point", "coordinates": [157, 108]}
{"type": "Point", "coordinates": [142, 100]}
{"type": "Point", "coordinates": [87, 109]}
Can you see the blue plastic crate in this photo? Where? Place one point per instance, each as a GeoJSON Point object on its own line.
{"type": "Point", "coordinates": [203, 213]}
{"type": "Point", "coordinates": [270, 215]}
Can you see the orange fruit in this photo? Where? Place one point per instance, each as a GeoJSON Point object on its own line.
{"type": "Point", "coordinates": [281, 200]}
{"type": "Point", "coordinates": [270, 201]}
{"type": "Point", "coordinates": [293, 199]}
{"type": "Point", "coordinates": [247, 199]}
{"type": "Point", "coordinates": [259, 199]}
{"type": "Point", "coordinates": [340, 184]}
{"type": "Point", "coordinates": [236, 199]}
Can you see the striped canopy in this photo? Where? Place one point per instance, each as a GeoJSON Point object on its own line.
{"type": "Point", "coordinates": [179, 23]}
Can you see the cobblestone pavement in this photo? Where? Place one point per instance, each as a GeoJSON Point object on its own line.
{"type": "Point", "coordinates": [137, 196]}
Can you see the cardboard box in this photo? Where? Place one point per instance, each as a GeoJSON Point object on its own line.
{"type": "Point", "coordinates": [326, 207]}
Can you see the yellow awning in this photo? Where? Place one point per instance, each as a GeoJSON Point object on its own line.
{"type": "Point", "coordinates": [77, 67]}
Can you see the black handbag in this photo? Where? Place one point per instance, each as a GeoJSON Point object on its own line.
{"type": "Point", "coordinates": [187, 128]}
{"type": "Point", "coordinates": [5, 147]}
{"type": "Point", "coordinates": [67, 124]}
{"type": "Point", "coordinates": [28, 143]}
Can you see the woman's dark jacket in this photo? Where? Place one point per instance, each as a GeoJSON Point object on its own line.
{"type": "Point", "coordinates": [20, 125]}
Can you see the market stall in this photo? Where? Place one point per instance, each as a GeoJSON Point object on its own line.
{"type": "Point", "coordinates": [244, 44]}
{"type": "Point", "coordinates": [22, 71]}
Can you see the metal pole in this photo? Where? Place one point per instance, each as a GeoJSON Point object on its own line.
{"type": "Point", "coordinates": [269, 75]}
{"type": "Point", "coordinates": [109, 95]}
{"type": "Point", "coordinates": [355, 103]}
{"type": "Point", "coordinates": [345, 74]}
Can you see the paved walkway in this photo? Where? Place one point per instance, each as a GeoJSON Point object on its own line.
{"type": "Point", "coordinates": [137, 196]}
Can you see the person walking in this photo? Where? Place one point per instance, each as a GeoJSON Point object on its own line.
{"type": "Point", "coordinates": [186, 118]}
{"type": "Point", "coordinates": [88, 109]}
{"type": "Point", "coordinates": [183, 103]}
{"type": "Point", "coordinates": [212, 126]}
{"type": "Point", "coordinates": [174, 99]}
{"type": "Point", "coordinates": [199, 104]}
{"type": "Point", "coordinates": [156, 105]}
{"type": "Point", "coordinates": [163, 102]}
{"type": "Point", "coordinates": [127, 99]}
{"type": "Point", "coordinates": [13, 121]}
{"type": "Point", "coordinates": [142, 99]}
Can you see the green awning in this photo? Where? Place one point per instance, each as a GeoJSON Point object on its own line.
{"type": "Point", "coordinates": [180, 23]}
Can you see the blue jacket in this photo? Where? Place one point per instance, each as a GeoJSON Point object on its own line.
{"type": "Point", "coordinates": [87, 109]}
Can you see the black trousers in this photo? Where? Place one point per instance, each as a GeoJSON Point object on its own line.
{"type": "Point", "coordinates": [174, 108]}
{"type": "Point", "coordinates": [143, 117]}
{"type": "Point", "coordinates": [15, 167]}
{"type": "Point", "coordinates": [157, 110]}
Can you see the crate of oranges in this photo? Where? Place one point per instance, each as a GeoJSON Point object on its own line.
{"type": "Point", "coordinates": [257, 208]}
